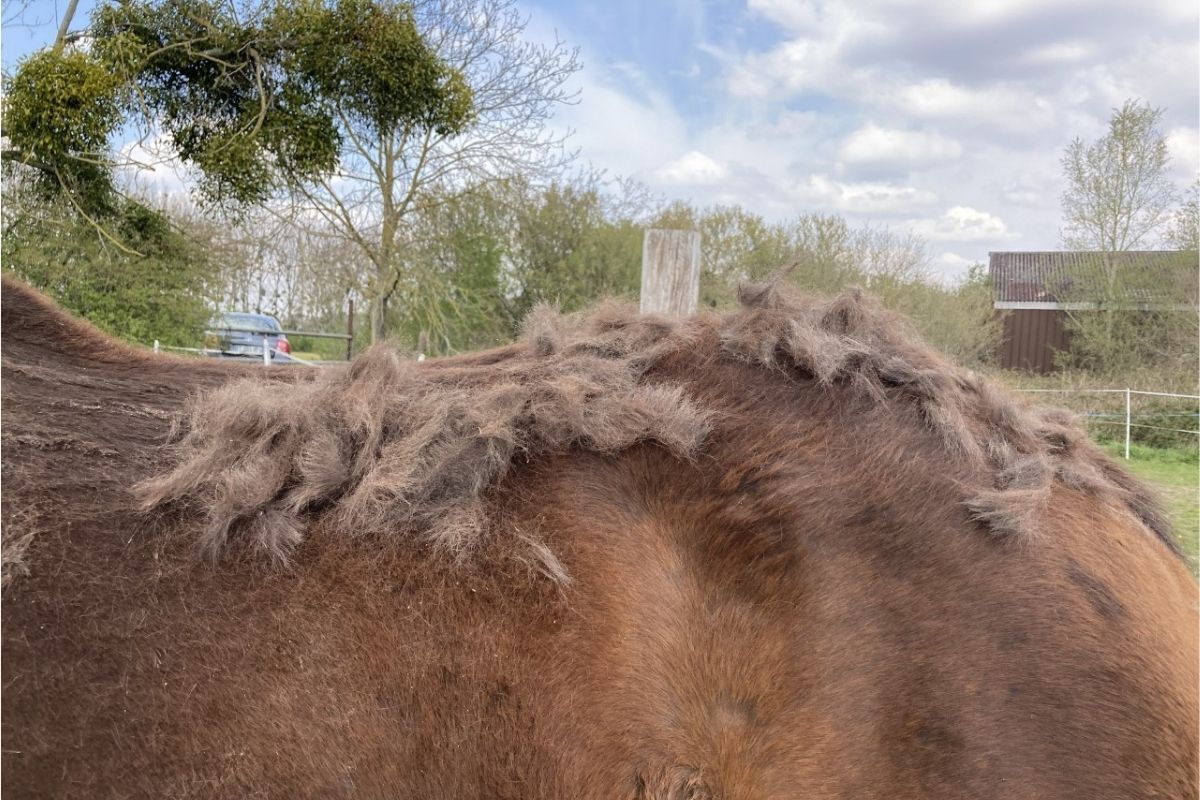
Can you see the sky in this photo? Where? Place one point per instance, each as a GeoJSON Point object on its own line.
{"type": "Point", "coordinates": [945, 118]}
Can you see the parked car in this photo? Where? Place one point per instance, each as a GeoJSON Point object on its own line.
{"type": "Point", "coordinates": [240, 334]}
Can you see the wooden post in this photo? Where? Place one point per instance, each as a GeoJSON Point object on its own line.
{"type": "Point", "coordinates": [671, 272]}
{"type": "Point", "coordinates": [350, 329]}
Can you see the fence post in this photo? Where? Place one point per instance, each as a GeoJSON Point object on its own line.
{"type": "Point", "coordinates": [670, 272]}
{"type": "Point", "coordinates": [350, 330]}
{"type": "Point", "coordinates": [266, 353]}
{"type": "Point", "coordinates": [1128, 421]}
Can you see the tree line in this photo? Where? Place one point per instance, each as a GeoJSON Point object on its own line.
{"type": "Point", "coordinates": [476, 262]}
{"type": "Point", "coordinates": [399, 155]}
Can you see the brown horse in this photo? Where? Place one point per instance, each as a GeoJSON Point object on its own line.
{"type": "Point", "coordinates": [785, 552]}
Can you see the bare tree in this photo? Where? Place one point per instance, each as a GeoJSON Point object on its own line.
{"type": "Point", "coordinates": [12, 14]}
{"type": "Point", "coordinates": [381, 179]}
{"type": "Point", "coordinates": [1118, 195]}
{"type": "Point", "coordinates": [284, 260]}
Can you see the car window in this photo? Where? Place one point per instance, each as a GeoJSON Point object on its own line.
{"type": "Point", "coordinates": [258, 322]}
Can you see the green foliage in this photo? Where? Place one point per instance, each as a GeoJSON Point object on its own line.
{"type": "Point", "coordinates": [158, 292]}
{"type": "Point", "coordinates": [1118, 194]}
{"type": "Point", "coordinates": [736, 245]}
{"type": "Point", "coordinates": [1161, 455]}
{"type": "Point", "coordinates": [1115, 341]}
{"type": "Point", "coordinates": [568, 250]}
{"type": "Point", "coordinates": [451, 293]}
{"type": "Point", "coordinates": [475, 263]}
{"type": "Point", "coordinates": [253, 100]}
{"type": "Point", "coordinates": [59, 110]}
{"type": "Point", "coordinates": [1129, 314]}
{"type": "Point", "coordinates": [957, 320]}
{"type": "Point", "coordinates": [369, 57]}
{"type": "Point", "coordinates": [1184, 232]}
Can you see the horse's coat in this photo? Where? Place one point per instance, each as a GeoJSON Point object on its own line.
{"type": "Point", "coordinates": [784, 552]}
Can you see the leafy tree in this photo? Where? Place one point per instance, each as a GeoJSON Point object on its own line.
{"type": "Point", "coordinates": [569, 247]}
{"type": "Point", "coordinates": [1118, 194]}
{"type": "Point", "coordinates": [1118, 198]}
{"type": "Point", "coordinates": [355, 106]}
{"type": "Point", "coordinates": [386, 175]}
{"type": "Point", "coordinates": [59, 111]}
{"type": "Point", "coordinates": [958, 320]}
{"type": "Point", "coordinates": [156, 288]}
{"type": "Point", "coordinates": [253, 100]}
{"type": "Point", "coordinates": [453, 296]}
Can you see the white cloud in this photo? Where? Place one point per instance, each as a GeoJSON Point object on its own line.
{"type": "Point", "coordinates": [693, 169]}
{"type": "Point", "coordinates": [952, 260]}
{"type": "Point", "coordinates": [616, 129]}
{"type": "Point", "coordinates": [951, 266]}
{"type": "Point", "coordinates": [793, 15]}
{"type": "Point", "coordinates": [998, 107]}
{"type": "Point", "coordinates": [1183, 145]}
{"type": "Point", "coordinates": [865, 197]}
{"type": "Point", "coordinates": [1060, 53]}
{"type": "Point", "coordinates": [875, 145]}
{"type": "Point", "coordinates": [943, 116]}
{"type": "Point", "coordinates": [961, 224]}
{"type": "Point", "coordinates": [791, 68]}
{"type": "Point", "coordinates": [1026, 187]}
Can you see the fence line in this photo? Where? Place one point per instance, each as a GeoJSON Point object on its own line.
{"type": "Point", "coordinates": [1166, 394]}
{"type": "Point", "coordinates": [1140, 425]}
{"type": "Point", "coordinates": [1074, 391]}
{"type": "Point", "coordinates": [266, 354]}
{"type": "Point", "coordinates": [1129, 415]}
{"type": "Point", "coordinates": [1115, 391]}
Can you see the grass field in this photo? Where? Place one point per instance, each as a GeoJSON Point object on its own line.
{"type": "Point", "coordinates": [1176, 476]}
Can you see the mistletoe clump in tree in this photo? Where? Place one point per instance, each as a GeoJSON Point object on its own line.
{"type": "Point", "coordinates": [254, 103]}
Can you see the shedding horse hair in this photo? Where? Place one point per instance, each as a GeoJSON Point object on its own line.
{"type": "Point", "coordinates": [781, 551]}
{"type": "Point", "coordinates": [389, 446]}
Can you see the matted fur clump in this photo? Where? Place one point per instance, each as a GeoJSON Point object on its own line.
{"type": "Point", "coordinates": [388, 445]}
{"type": "Point", "coordinates": [851, 339]}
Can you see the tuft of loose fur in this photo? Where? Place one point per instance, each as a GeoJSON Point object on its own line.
{"type": "Point", "coordinates": [390, 447]}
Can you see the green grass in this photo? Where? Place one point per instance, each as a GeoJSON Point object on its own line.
{"type": "Point", "coordinates": [1176, 476]}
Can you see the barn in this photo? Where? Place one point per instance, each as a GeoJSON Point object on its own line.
{"type": "Point", "coordinates": [1037, 290]}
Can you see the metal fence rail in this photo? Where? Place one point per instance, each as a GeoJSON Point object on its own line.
{"type": "Point", "coordinates": [268, 353]}
{"type": "Point", "coordinates": [1129, 415]}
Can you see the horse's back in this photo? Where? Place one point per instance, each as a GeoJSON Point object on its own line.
{"type": "Point", "coordinates": [822, 602]}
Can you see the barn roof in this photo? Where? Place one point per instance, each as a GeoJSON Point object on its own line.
{"type": "Point", "coordinates": [1053, 279]}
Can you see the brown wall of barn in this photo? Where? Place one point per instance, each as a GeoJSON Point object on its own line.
{"type": "Point", "coordinates": [1031, 336]}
